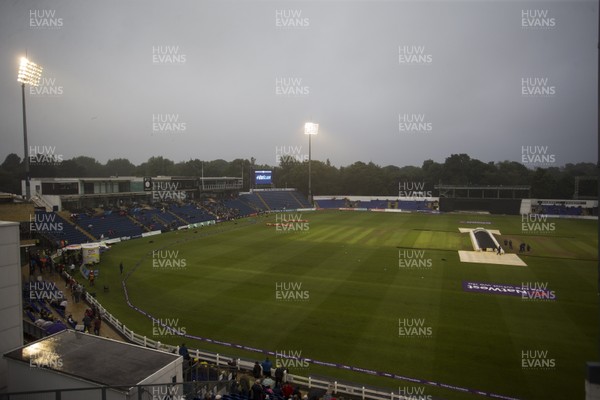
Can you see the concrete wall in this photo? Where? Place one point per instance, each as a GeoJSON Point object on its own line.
{"type": "Point", "coordinates": [11, 304]}
{"type": "Point", "coordinates": [164, 375]}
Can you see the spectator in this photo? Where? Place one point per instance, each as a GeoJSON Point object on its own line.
{"type": "Point", "coordinates": [184, 352]}
{"type": "Point", "coordinates": [279, 376]}
{"type": "Point", "coordinates": [244, 386]}
{"type": "Point", "coordinates": [234, 387]}
{"type": "Point", "coordinates": [71, 321]}
{"type": "Point", "coordinates": [87, 323]}
{"type": "Point", "coordinates": [287, 390]}
{"type": "Point", "coordinates": [44, 324]}
{"type": "Point", "coordinates": [268, 382]}
{"type": "Point", "coordinates": [78, 292]}
{"type": "Point", "coordinates": [257, 370]}
{"type": "Point", "coordinates": [269, 393]}
{"type": "Point", "coordinates": [97, 324]}
{"type": "Point", "coordinates": [45, 315]}
{"type": "Point", "coordinates": [58, 304]}
{"type": "Point", "coordinates": [232, 368]}
{"type": "Point", "coordinates": [257, 390]}
{"type": "Point", "coordinates": [266, 367]}
{"type": "Point", "coordinates": [298, 393]}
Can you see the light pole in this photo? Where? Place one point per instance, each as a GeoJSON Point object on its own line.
{"type": "Point", "coordinates": [310, 129]}
{"type": "Point", "coordinates": [30, 74]}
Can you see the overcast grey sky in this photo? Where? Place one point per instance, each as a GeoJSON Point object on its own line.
{"type": "Point", "coordinates": [234, 79]}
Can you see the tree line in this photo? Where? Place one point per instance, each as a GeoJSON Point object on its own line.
{"type": "Point", "coordinates": [359, 178]}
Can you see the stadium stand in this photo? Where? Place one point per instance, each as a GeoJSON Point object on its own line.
{"type": "Point", "coordinates": [337, 203]}
{"type": "Point", "coordinates": [303, 200]}
{"type": "Point", "coordinates": [155, 219]}
{"type": "Point", "coordinates": [282, 199]}
{"type": "Point", "coordinates": [169, 218]}
{"type": "Point", "coordinates": [109, 225]}
{"type": "Point", "coordinates": [407, 205]}
{"type": "Point", "coordinates": [191, 213]}
{"type": "Point", "coordinates": [59, 230]}
{"type": "Point", "coordinates": [378, 204]}
{"type": "Point", "coordinates": [243, 207]}
{"type": "Point", "coordinates": [413, 205]}
{"type": "Point", "coordinates": [561, 210]}
{"type": "Point", "coordinates": [258, 201]}
{"type": "Point", "coordinates": [41, 306]}
{"type": "Point", "coordinates": [254, 201]}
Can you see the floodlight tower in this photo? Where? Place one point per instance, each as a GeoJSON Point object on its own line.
{"type": "Point", "coordinates": [29, 74]}
{"type": "Point", "coordinates": [310, 129]}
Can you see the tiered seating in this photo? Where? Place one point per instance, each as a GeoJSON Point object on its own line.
{"type": "Point", "coordinates": [337, 203]}
{"type": "Point", "coordinates": [561, 210]}
{"type": "Point", "coordinates": [191, 213]}
{"type": "Point", "coordinates": [378, 204]}
{"type": "Point", "coordinates": [304, 203]}
{"type": "Point", "coordinates": [253, 200]}
{"type": "Point", "coordinates": [413, 205]}
{"type": "Point", "coordinates": [57, 229]}
{"type": "Point", "coordinates": [43, 299]}
{"type": "Point", "coordinates": [282, 199]}
{"type": "Point", "coordinates": [243, 207]}
{"type": "Point", "coordinates": [150, 218]}
{"type": "Point", "coordinates": [110, 225]}
{"type": "Point", "coordinates": [170, 218]}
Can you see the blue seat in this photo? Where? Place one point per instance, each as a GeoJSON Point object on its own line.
{"type": "Point", "coordinates": [30, 315]}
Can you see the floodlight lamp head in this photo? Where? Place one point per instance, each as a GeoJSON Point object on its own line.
{"type": "Point", "coordinates": [29, 72]}
{"type": "Point", "coordinates": [311, 128]}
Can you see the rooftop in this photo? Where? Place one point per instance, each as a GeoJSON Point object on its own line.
{"type": "Point", "coordinates": [87, 357]}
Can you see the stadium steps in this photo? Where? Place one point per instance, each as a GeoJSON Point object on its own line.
{"type": "Point", "coordinates": [159, 220]}
{"type": "Point", "coordinates": [183, 221]}
{"type": "Point", "coordinates": [251, 205]}
{"type": "Point", "coordinates": [244, 207]}
{"type": "Point", "coordinates": [39, 201]}
{"type": "Point", "coordinates": [206, 210]}
{"type": "Point", "coordinates": [297, 200]}
{"type": "Point", "coordinates": [135, 221]}
{"type": "Point", "coordinates": [262, 200]}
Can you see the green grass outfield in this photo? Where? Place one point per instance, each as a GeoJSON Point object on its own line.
{"type": "Point", "coordinates": [348, 262]}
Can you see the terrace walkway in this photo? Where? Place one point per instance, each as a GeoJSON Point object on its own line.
{"type": "Point", "coordinates": [76, 309]}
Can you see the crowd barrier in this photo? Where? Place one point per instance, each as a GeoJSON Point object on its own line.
{"type": "Point", "coordinates": [220, 360]}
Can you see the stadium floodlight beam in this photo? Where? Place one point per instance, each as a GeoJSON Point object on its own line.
{"type": "Point", "coordinates": [29, 74]}
{"type": "Point", "coordinates": [310, 129]}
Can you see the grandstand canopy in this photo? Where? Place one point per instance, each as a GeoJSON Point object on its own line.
{"type": "Point", "coordinates": [484, 192]}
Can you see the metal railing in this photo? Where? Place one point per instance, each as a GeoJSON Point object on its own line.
{"type": "Point", "coordinates": [172, 391]}
{"type": "Point", "coordinates": [220, 360]}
